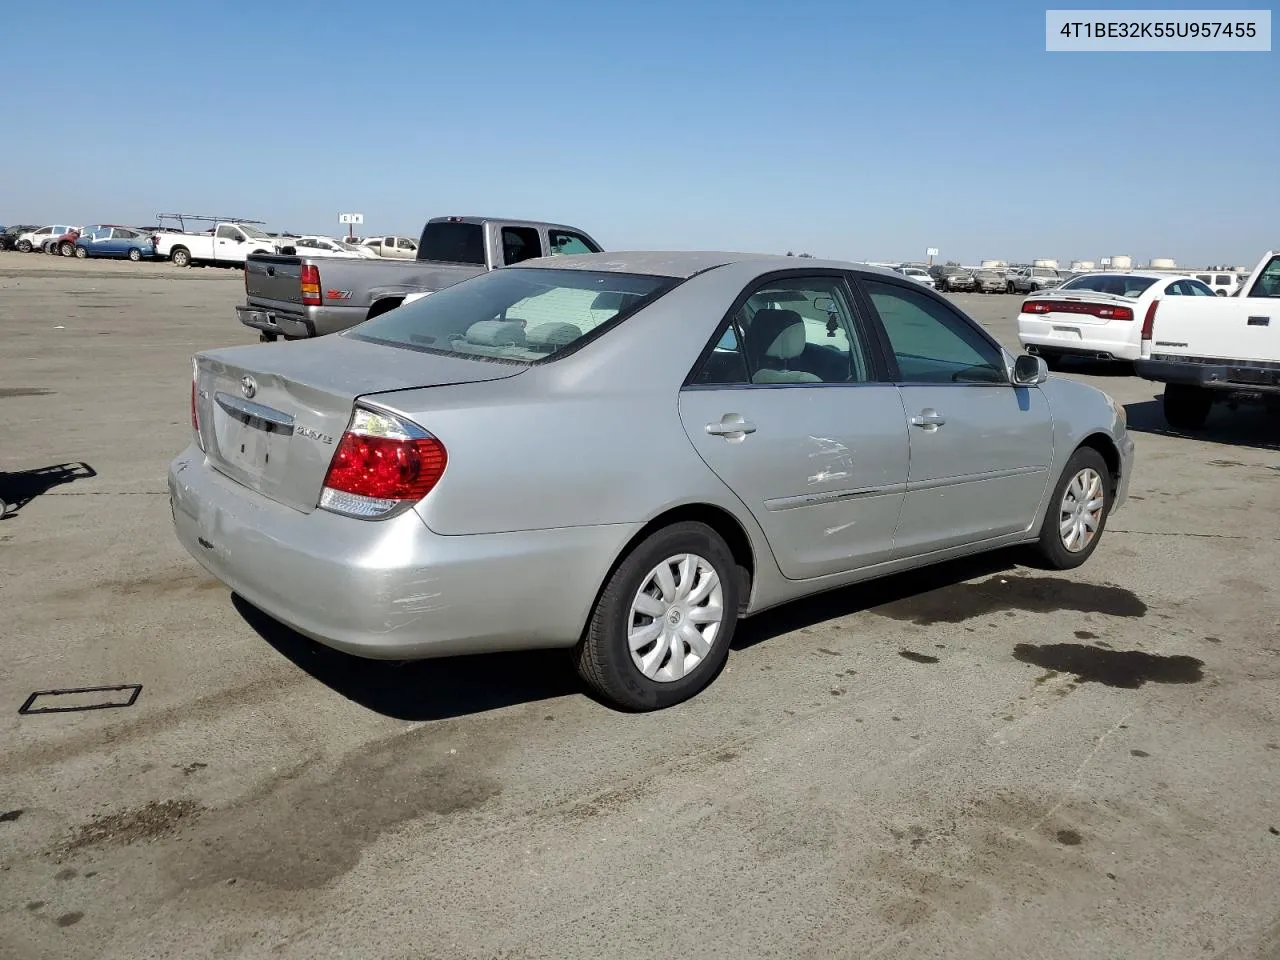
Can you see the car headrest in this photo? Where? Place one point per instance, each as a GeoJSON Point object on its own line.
{"type": "Point", "coordinates": [613, 300]}
{"type": "Point", "coordinates": [496, 333]}
{"type": "Point", "coordinates": [777, 333]}
{"type": "Point", "coordinates": [553, 334]}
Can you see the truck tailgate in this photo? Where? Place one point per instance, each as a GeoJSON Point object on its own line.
{"type": "Point", "coordinates": [273, 277]}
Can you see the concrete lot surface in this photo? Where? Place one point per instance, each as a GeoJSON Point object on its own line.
{"type": "Point", "coordinates": [979, 761]}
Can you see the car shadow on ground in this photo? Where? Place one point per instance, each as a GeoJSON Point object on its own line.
{"type": "Point", "coordinates": [1251, 425]}
{"type": "Point", "coordinates": [846, 601]}
{"type": "Point", "coordinates": [418, 690]}
{"type": "Point", "coordinates": [1094, 368]}
{"type": "Point", "coordinates": [19, 488]}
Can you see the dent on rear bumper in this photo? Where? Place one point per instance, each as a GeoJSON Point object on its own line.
{"type": "Point", "coordinates": [390, 589]}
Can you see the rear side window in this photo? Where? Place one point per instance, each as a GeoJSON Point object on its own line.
{"type": "Point", "coordinates": [518, 314]}
{"type": "Point", "coordinates": [520, 243]}
{"type": "Point", "coordinates": [452, 243]}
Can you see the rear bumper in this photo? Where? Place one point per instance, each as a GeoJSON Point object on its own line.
{"type": "Point", "coordinates": [390, 589]}
{"type": "Point", "coordinates": [1103, 341]}
{"type": "Point", "coordinates": [1212, 375]}
{"type": "Point", "coordinates": [300, 322]}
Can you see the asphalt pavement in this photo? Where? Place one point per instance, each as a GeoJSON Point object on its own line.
{"type": "Point", "coordinates": [981, 760]}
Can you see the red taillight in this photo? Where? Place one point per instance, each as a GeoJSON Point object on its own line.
{"type": "Point", "coordinates": [310, 285]}
{"type": "Point", "coordinates": [1149, 321]}
{"type": "Point", "coordinates": [382, 462]}
{"type": "Point", "coordinates": [1105, 311]}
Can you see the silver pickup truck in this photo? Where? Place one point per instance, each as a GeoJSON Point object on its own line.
{"type": "Point", "coordinates": [296, 297]}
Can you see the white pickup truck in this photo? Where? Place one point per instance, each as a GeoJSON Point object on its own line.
{"type": "Point", "coordinates": [226, 244]}
{"type": "Point", "coordinates": [1207, 349]}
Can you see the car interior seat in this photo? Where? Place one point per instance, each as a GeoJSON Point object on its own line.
{"type": "Point", "coordinates": [774, 340]}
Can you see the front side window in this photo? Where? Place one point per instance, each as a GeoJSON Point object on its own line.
{"type": "Point", "coordinates": [404, 244]}
{"type": "Point", "coordinates": [228, 232]}
{"type": "Point", "coordinates": [1268, 282]}
{"type": "Point", "coordinates": [518, 315]}
{"type": "Point", "coordinates": [790, 331]}
{"type": "Point", "coordinates": [1221, 280]}
{"type": "Point", "coordinates": [931, 342]}
{"type": "Point", "coordinates": [565, 242]}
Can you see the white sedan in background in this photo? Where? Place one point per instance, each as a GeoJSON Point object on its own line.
{"type": "Point", "coordinates": [1098, 316]}
{"type": "Point", "coordinates": [918, 274]}
{"type": "Point", "coordinates": [313, 246]}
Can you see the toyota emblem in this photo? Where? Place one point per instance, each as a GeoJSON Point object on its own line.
{"type": "Point", "coordinates": [248, 386]}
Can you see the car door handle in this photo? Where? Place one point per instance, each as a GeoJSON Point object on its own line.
{"type": "Point", "coordinates": [927, 419]}
{"type": "Point", "coordinates": [732, 426]}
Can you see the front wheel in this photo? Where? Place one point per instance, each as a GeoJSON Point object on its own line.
{"type": "Point", "coordinates": [1186, 407]}
{"type": "Point", "coordinates": [1077, 512]}
{"type": "Point", "coordinates": [661, 628]}
{"type": "Point", "coordinates": [81, 253]}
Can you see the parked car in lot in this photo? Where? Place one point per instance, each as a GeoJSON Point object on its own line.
{"type": "Point", "coordinates": [1097, 315]}
{"type": "Point", "coordinates": [1215, 351]}
{"type": "Point", "coordinates": [1224, 283]}
{"type": "Point", "coordinates": [460, 475]}
{"type": "Point", "coordinates": [317, 246]}
{"type": "Point", "coordinates": [918, 274]}
{"type": "Point", "coordinates": [113, 240]}
{"type": "Point", "coordinates": [64, 244]}
{"type": "Point", "coordinates": [227, 244]}
{"type": "Point", "coordinates": [989, 281]}
{"type": "Point", "coordinates": [9, 236]}
{"type": "Point", "coordinates": [950, 279]}
{"type": "Point", "coordinates": [1031, 279]}
{"type": "Point", "coordinates": [303, 296]}
{"type": "Point", "coordinates": [393, 248]}
{"type": "Point", "coordinates": [39, 239]}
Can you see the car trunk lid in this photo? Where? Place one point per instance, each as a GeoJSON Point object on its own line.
{"type": "Point", "coordinates": [271, 415]}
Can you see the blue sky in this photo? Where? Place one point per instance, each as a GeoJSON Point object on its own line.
{"type": "Point", "coordinates": [850, 131]}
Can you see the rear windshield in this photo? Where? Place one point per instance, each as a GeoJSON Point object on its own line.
{"type": "Point", "coordinates": [515, 314]}
{"type": "Point", "coordinates": [1120, 285]}
{"type": "Point", "coordinates": [452, 243]}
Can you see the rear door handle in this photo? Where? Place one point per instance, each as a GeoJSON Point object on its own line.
{"type": "Point", "coordinates": [732, 426]}
{"type": "Point", "coordinates": [928, 419]}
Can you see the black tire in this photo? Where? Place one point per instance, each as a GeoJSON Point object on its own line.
{"type": "Point", "coordinates": [180, 256]}
{"type": "Point", "coordinates": [81, 253]}
{"type": "Point", "coordinates": [265, 337]}
{"type": "Point", "coordinates": [24, 246]}
{"type": "Point", "coordinates": [1186, 407]}
{"type": "Point", "coordinates": [135, 254]}
{"type": "Point", "coordinates": [1049, 549]}
{"type": "Point", "coordinates": [603, 656]}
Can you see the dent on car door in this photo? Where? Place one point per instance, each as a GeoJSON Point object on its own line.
{"type": "Point", "coordinates": [788, 409]}
{"type": "Point", "coordinates": [981, 448]}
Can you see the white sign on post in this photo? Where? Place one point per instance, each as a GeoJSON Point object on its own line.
{"type": "Point", "coordinates": [931, 252]}
{"type": "Point", "coordinates": [351, 218]}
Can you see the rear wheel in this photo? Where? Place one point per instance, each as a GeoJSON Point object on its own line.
{"type": "Point", "coordinates": [661, 628]}
{"type": "Point", "coordinates": [1077, 512]}
{"type": "Point", "coordinates": [135, 254]}
{"type": "Point", "coordinates": [1186, 407]}
{"type": "Point", "coordinates": [81, 253]}
{"type": "Point", "coordinates": [181, 257]}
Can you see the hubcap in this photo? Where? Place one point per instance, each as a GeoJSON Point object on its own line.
{"type": "Point", "coordinates": [1080, 514]}
{"type": "Point", "coordinates": [675, 617]}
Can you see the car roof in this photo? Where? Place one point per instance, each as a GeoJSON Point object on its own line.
{"type": "Point", "coordinates": [687, 263]}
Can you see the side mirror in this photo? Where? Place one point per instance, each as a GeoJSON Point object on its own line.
{"type": "Point", "coordinates": [1029, 371]}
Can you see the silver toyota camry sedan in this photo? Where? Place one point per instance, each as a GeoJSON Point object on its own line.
{"type": "Point", "coordinates": [624, 454]}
